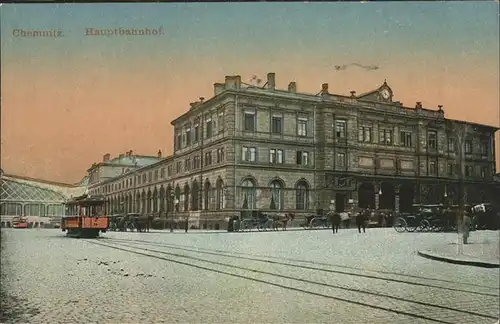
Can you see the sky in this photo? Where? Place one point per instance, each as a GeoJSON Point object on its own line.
{"type": "Point", "coordinates": [66, 101]}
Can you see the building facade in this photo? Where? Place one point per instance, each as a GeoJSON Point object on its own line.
{"type": "Point", "coordinates": [251, 148]}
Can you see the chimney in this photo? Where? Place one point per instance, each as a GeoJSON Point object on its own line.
{"type": "Point", "coordinates": [353, 94]}
{"type": "Point", "coordinates": [218, 88]}
{"type": "Point", "coordinates": [202, 99]}
{"type": "Point", "coordinates": [130, 153]}
{"type": "Point", "coordinates": [324, 88]}
{"type": "Point", "coordinates": [159, 153]}
{"type": "Point", "coordinates": [271, 81]}
{"type": "Point", "coordinates": [418, 105]}
{"type": "Point", "coordinates": [292, 87]}
{"type": "Point", "coordinates": [233, 82]}
{"type": "Point", "coordinates": [121, 156]}
{"type": "Point", "coordinates": [440, 107]}
{"type": "Point", "coordinates": [194, 104]}
{"type": "Point", "coordinates": [127, 154]}
{"type": "Point", "coordinates": [106, 157]}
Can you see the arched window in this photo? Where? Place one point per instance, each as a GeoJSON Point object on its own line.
{"type": "Point", "coordinates": [149, 202]}
{"type": "Point", "coordinates": [186, 197]}
{"type": "Point", "coordinates": [195, 197]}
{"type": "Point", "coordinates": [220, 194]}
{"type": "Point", "coordinates": [143, 203]}
{"type": "Point", "coordinates": [155, 201]}
{"type": "Point", "coordinates": [249, 194]}
{"type": "Point", "coordinates": [207, 197]}
{"type": "Point", "coordinates": [302, 196]}
{"type": "Point", "coordinates": [276, 195]}
{"type": "Point", "coordinates": [177, 199]}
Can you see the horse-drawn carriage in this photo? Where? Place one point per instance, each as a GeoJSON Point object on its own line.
{"type": "Point", "coordinates": [130, 222]}
{"type": "Point", "coordinates": [425, 218]}
{"type": "Point", "coordinates": [487, 216]}
{"type": "Point", "coordinates": [316, 221]}
{"type": "Point", "coordinates": [260, 221]}
{"type": "Point", "coordinates": [432, 218]}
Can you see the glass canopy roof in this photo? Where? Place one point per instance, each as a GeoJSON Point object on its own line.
{"type": "Point", "coordinates": [12, 191]}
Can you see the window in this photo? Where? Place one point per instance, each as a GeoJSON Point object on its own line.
{"type": "Point", "coordinates": [468, 171]}
{"type": "Point", "coordinates": [468, 146]}
{"type": "Point", "coordinates": [432, 168]}
{"type": "Point", "coordinates": [196, 162]}
{"type": "Point", "coordinates": [365, 134]}
{"type": "Point", "coordinates": [196, 131]}
{"type": "Point", "coordinates": [187, 164]}
{"type": "Point", "coordinates": [405, 138]}
{"type": "Point", "coordinates": [275, 156]}
{"type": "Point", "coordinates": [276, 123]}
{"type": "Point", "coordinates": [340, 129]}
{"type": "Point", "coordinates": [249, 154]}
{"type": "Point", "coordinates": [221, 122]}
{"type": "Point", "coordinates": [385, 136]}
{"type": "Point", "coordinates": [220, 194]}
{"type": "Point", "coordinates": [302, 126]}
{"type": "Point", "coordinates": [162, 173]}
{"type": "Point", "coordinates": [484, 171]}
{"type": "Point", "coordinates": [156, 175]}
{"type": "Point", "coordinates": [143, 179]}
{"type": "Point", "coordinates": [302, 196]}
{"type": "Point", "coordinates": [249, 194]}
{"type": "Point", "coordinates": [178, 142]}
{"type": "Point", "coordinates": [451, 170]}
{"type": "Point", "coordinates": [178, 167]}
{"type": "Point", "coordinates": [169, 171]}
{"type": "Point", "coordinates": [249, 122]}
{"type": "Point", "coordinates": [209, 131]}
{"type": "Point", "coordinates": [341, 160]}
{"type": "Point", "coordinates": [432, 140]}
{"type": "Point", "coordinates": [484, 148]}
{"type": "Point", "coordinates": [451, 144]}
{"type": "Point", "coordinates": [208, 158]}
{"type": "Point", "coordinates": [276, 195]}
{"type": "Point", "coordinates": [188, 136]}
{"type": "Point", "coordinates": [220, 155]}
{"type": "Point", "coordinates": [302, 158]}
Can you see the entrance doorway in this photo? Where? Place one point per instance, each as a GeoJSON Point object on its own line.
{"type": "Point", "coordinates": [340, 202]}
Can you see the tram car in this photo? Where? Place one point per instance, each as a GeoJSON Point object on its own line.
{"type": "Point", "coordinates": [19, 222]}
{"type": "Point", "coordinates": [85, 217]}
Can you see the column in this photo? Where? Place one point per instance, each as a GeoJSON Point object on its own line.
{"type": "Point", "coordinates": [396, 198]}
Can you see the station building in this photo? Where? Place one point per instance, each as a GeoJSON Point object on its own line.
{"type": "Point", "coordinates": [258, 148]}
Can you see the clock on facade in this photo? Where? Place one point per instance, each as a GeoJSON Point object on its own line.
{"type": "Point", "coordinates": [385, 94]}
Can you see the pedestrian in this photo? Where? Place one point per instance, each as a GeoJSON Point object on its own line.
{"type": "Point", "coordinates": [186, 225]}
{"type": "Point", "coordinates": [336, 220]}
{"type": "Point", "coordinates": [466, 227]}
{"type": "Point", "coordinates": [360, 219]}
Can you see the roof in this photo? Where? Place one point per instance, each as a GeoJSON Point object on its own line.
{"type": "Point", "coordinates": [363, 97]}
{"type": "Point", "coordinates": [14, 191]}
{"type": "Point", "coordinates": [61, 189]}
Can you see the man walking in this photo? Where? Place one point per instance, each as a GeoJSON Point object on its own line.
{"type": "Point", "coordinates": [466, 227]}
{"type": "Point", "coordinates": [336, 220]}
{"type": "Point", "coordinates": [361, 218]}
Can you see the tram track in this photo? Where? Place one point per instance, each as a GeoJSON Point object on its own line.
{"type": "Point", "coordinates": [386, 302]}
{"type": "Point", "coordinates": [259, 258]}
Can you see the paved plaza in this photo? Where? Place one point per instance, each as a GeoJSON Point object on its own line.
{"type": "Point", "coordinates": [308, 276]}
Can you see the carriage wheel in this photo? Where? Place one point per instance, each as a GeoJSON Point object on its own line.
{"type": "Point", "coordinates": [424, 226]}
{"type": "Point", "coordinates": [400, 225]}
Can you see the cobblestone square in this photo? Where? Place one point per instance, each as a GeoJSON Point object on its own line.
{"type": "Point", "coordinates": [258, 277]}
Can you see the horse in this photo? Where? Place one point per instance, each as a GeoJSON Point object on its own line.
{"type": "Point", "coordinates": [143, 223]}
{"type": "Point", "coordinates": [282, 220]}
